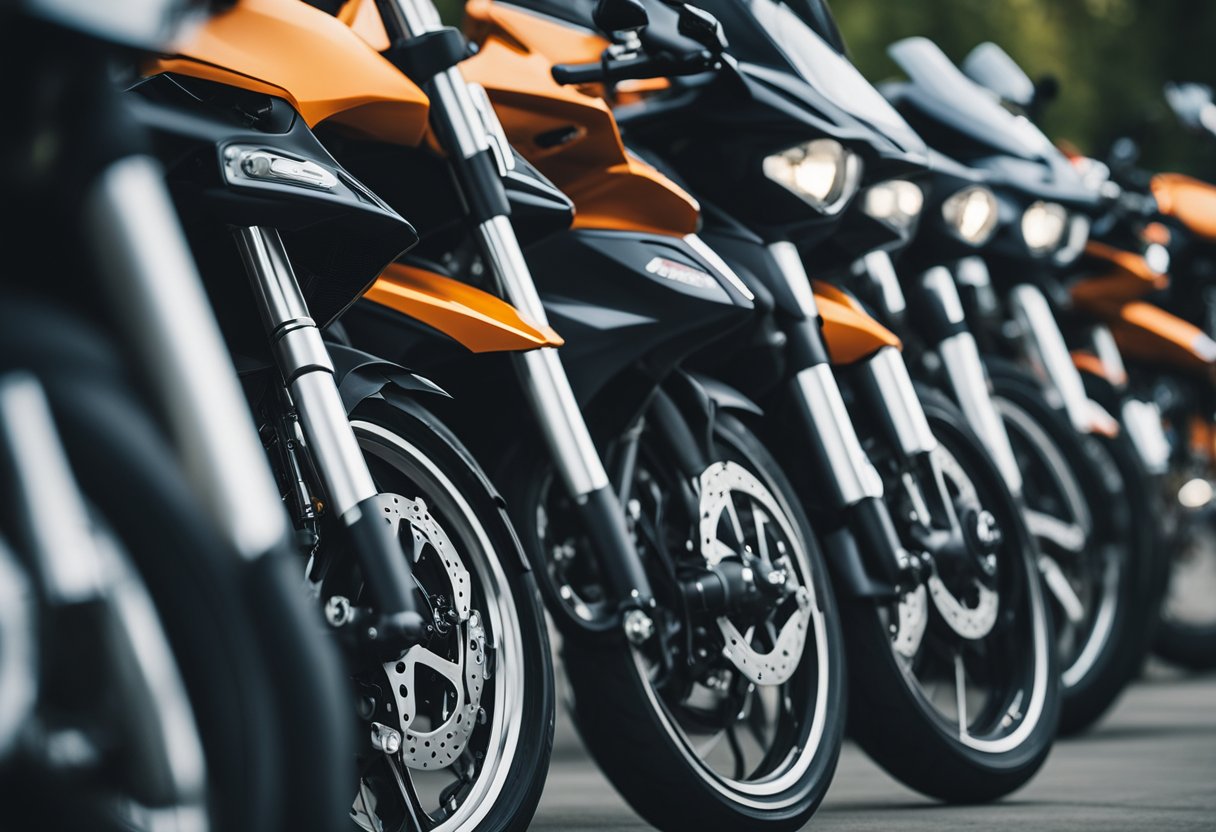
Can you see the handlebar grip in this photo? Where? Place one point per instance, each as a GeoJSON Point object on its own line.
{"type": "Point", "coordinates": [579, 73]}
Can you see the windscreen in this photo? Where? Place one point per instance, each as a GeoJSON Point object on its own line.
{"type": "Point", "coordinates": [831, 73]}
{"type": "Point", "coordinates": [970, 107]}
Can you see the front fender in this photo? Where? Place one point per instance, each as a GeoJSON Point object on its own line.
{"type": "Point", "coordinates": [361, 376]}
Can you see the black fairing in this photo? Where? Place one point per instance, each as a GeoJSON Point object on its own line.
{"type": "Point", "coordinates": [339, 239]}
{"type": "Point", "coordinates": [615, 313]}
{"type": "Point", "coordinates": [420, 185]}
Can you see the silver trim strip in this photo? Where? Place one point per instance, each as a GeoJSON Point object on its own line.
{"type": "Point", "coordinates": [710, 256]}
{"type": "Point", "coordinates": [1143, 423]}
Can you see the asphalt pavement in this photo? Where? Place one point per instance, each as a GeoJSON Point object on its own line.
{"type": "Point", "coordinates": [1150, 765]}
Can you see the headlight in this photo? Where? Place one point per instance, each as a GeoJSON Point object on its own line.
{"type": "Point", "coordinates": [971, 214]}
{"type": "Point", "coordinates": [1043, 226]}
{"type": "Point", "coordinates": [822, 173]}
{"type": "Point", "coordinates": [1158, 258]}
{"type": "Point", "coordinates": [896, 202]}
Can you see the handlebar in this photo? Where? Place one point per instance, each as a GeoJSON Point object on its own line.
{"type": "Point", "coordinates": [626, 69]}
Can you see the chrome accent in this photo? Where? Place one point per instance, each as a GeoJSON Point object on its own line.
{"type": "Point", "coordinates": [790, 262]}
{"type": "Point", "coordinates": [878, 265]}
{"type": "Point", "coordinates": [503, 155]}
{"type": "Point", "coordinates": [638, 626]}
{"type": "Point", "coordinates": [314, 391]}
{"type": "Point", "coordinates": [961, 358]}
{"type": "Point", "coordinates": [890, 374]}
{"type": "Point", "coordinates": [243, 164]}
{"type": "Point", "coordinates": [940, 282]}
{"type": "Point", "coordinates": [710, 256]}
{"type": "Point", "coordinates": [855, 476]}
{"type": "Point", "coordinates": [160, 300]}
{"type": "Point", "coordinates": [1049, 354]}
{"type": "Point", "coordinates": [1143, 423]}
{"type": "Point", "coordinates": [385, 739]}
{"type": "Point", "coordinates": [973, 271]}
{"type": "Point", "coordinates": [1108, 353]}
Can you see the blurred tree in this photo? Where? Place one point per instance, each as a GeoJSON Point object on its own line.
{"type": "Point", "coordinates": [1111, 57]}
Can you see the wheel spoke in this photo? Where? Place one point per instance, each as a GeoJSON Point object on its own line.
{"type": "Point", "coordinates": [1069, 537]}
{"type": "Point", "coordinates": [960, 690]}
{"type": "Point", "coordinates": [759, 519]}
{"type": "Point", "coordinates": [736, 751]}
{"type": "Point", "coordinates": [1062, 590]}
{"type": "Point", "coordinates": [413, 804]}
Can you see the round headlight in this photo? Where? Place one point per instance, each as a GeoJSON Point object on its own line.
{"type": "Point", "coordinates": [1043, 226]}
{"type": "Point", "coordinates": [822, 173]}
{"type": "Point", "coordinates": [971, 214]}
{"type": "Point", "coordinates": [895, 202]}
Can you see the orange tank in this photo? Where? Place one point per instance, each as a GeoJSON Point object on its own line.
{"type": "Point", "coordinates": [329, 73]}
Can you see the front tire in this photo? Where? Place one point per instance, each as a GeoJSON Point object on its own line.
{"type": "Point", "coordinates": [994, 726]}
{"type": "Point", "coordinates": [490, 779]}
{"type": "Point", "coordinates": [668, 740]}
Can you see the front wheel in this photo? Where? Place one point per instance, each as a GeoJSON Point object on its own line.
{"type": "Point", "coordinates": [955, 687]}
{"type": "Point", "coordinates": [473, 706]}
{"type": "Point", "coordinates": [726, 720]}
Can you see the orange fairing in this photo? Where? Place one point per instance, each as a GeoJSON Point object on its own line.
{"type": "Point", "coordinates": [1127, 277]}
{"type": "Point", "coordinates": [570, 136]}
{"type": "Point", "coordinates": [1190, 201]}
{"type": "Point", "coordinates": [1149, 333]}
{"type": "Point", "coordinates": [289, 49]}
{"type": "Point", "coordinates": [850, 333]}
{"type": "Point", "coordinates": [476, 319]}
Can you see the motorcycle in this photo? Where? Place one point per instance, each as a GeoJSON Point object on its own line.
{"type": "Point", "coordinates": [1059, 449]}
{"type": "Point", "coordinates": [402, 541]}
{"type": "Point", "coordinates": [817, 359]}
{"type": "Point", "coordinates": [699, 634]}
{"type": "Point", "coordinates": [158, 658]}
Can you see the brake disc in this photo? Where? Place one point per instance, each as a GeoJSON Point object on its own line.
{"type": "Point", "coordinates": [970, 622]}
{"type": "Point", "coordinates": [442, 744]}
{"type": "Point", "coordinates": [776, 666]}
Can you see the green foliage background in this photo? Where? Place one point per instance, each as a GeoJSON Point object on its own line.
{"type": "Point", "coordinates": [1112, 58]}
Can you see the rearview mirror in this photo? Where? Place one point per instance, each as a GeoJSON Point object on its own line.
{"type": "Point", "coordinates": [612, 16]}
{"type": "Point", "coordinates": [701, 26]}
{"type": "Point", "coordinates": [991, 67]}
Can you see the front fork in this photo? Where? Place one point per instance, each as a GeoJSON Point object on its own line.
{"type": "Point", "coordinates": [470, 132]}
{"type": "Point", "coordinates": [308, 377]}
{"type": "Point", "coordinates": [946, 329]}
{"type": "Point", "coordinates": [869, 538]}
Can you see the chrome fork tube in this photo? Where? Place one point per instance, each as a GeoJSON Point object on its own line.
{"type": "Point", "coordinates": [961, 357]}
{"type": "Point", "coordinates": [1049, 354]}
{"type": "Point", "coordinates": [307, 372]}
{"type": "Point", "coordinates": [158, 295]}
